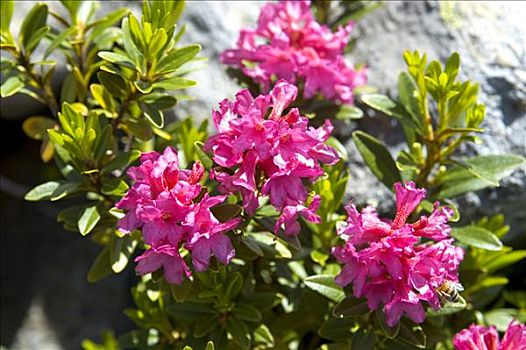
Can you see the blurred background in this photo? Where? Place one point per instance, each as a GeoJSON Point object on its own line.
{"type": "Point", "coordinates": [46, 302]}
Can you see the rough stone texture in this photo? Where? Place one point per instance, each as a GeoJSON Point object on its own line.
{"type": "Point", "coordinates": [46, 302]}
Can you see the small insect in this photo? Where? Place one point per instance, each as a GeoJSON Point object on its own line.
{"type": "Point", "coordinates": [448, 291]}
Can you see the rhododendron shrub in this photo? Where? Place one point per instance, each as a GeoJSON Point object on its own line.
{"type": "Point", "coordinates": [163, 202]}
{"type": "Point", "coordinates": [256, 138]}
{"type": "Point", "coordinates": [388, 263]}
{"type": "Point", "coordinates": [241, 239]}
{"type": "Point", "coordinates": [288, 43]}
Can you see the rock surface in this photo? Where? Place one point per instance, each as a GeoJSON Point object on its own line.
{"type": "Point", "coordinates": [57, 308]}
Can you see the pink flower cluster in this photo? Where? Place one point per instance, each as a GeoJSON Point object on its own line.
{"type": "Point", "coordinates": [165, 202]}
{"type": "Point", "coordinates": [486, 338]}
{"type": "Point", "coordinates": [387, 263]}
{"type": "Point", "coordinates": [289, 44]}
{"type": "Point", "coordinates": [260, 151]}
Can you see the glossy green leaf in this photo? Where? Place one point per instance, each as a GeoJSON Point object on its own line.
{"type": "Point", "coordinates": [52, 190]}
{"type": "Point", "coordinates": [448, 308]}
{"type": "Point", "coordinates": [262, 335]}
{"type": "Point", "coordinates": [349, 307]}
{"type": "Point", "coordinates": [239, 331]}
{"type": "Point", "coordinates": [101, 266]}
{"type": "Point", "coordinates": [89, 218]}
{"type": "Point", "coordinates": [34, 21]}
{"type": "Point", "coordinates": [153, 115]}
{"type": "Point", "coordinates": [11, 86]}
{"type": "Point", "coordinates": [363, 340]}
{"type": "Point", "coordinates": [459, 180]}
{"type": "Point", "coordinates": [121, 250]}
{"type": "Point", "coordinates": [226, 211]}
{"type": "Point", "coordinates": [6, 13]}
{"type": "Point", "coordinates": [269, 242]}
{"type": "Point", "coordinates": [500, 318]}
{"type": "Point", "coordinates": [174, 83]}
{"type": "Point", "coordinates": [477, 237]}
{"type": "Point", "coordinates": [205, 325]}
{"type": "Point", "coordinates": [114, 187]}
{"type": "Point", "coordinates": [121, 161]}
{"type": "Point", "coordinates": [114, 83]}
{"type": "Point", "coordinates": [391, 108]}
{"type": "Point", "coordinates": [36, 127]}
{"type": "Point", "coordinates": [377, 158]}
{"type": "Point", "coordinates": [325, 285]}
{"type": "Point", "coordinates": [116, 58]}
{"type": "Point", "coordinates": [504, 260]}
{"type": "Point", "coordinates": [247, 313]}
{"type": "Point", "coordinates": [202, 155]}
{"type": "Point", "coordinates": [347, 112]}
{"type": "Point", "coordinates": [177, 58]}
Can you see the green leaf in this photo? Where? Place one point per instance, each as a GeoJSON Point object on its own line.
{"type": "Point", "coordinates": [504, 260]}
{"type": "Point", "coordinates": [36, 127]}
{"type": "Point", "coordinates": [477, 237]}
{"type": "Point", "coordinates": [114, 187]}
{"type": "Point", "coordinates": [337, 328]}
{"type": "Point", "coordinates": [377, 158]}
{"type": "Point", "coordinates": [101, 266]}
{"type": "Point", "coordinates": [269, 242]}
{"type": "Point", "coordinates": [411, 334]}
{"type": "Point", "coordinates": [459, 180]}
{"type": "Point", "coordinates": [325, 285]}
{"type": "Point", "coordinates": [116, 58]}
{"type": "Point", "coordinates": [347, 112]}
{"type": "Point", "coordinates": [114, 83]}
{"type": "Point", "coordinates": [202, 155]}
{"type": "Point", "coordinates": [205, 325]}
{"type": "Point", "coordinates": [52, 190]}
{"type": "Point", "coordinates": [239, 331]}
{"type": "Point", "coordinates": [89, 218]}
{"type": "Point", "coordinates": [234, 286]}
{"type": "Point", "coordinates": [350, 306]}
{"type": "Point", "coordinates": [391, 108]}
{"type": "Point", "coordinates": [59, 39]}
{"type": "Point", "coordinates": [262, 335]}
{"type": "Point", "coordinates": [337, 145]}
{"type": "Point", "coordinates": [11, 86]}
{"type": "Point", "coordinates": [35, 40]}
{"type": "Point", "coordinates": [122, 160]}
{"type": "Point", "coordinates": [34, 21]}
{"type": "Point", "coordinates": [177, 58]}
{"type": "Point", "coordinates": [363, 340]}
{"type": "Point", "coordinates": [153, 115]}
{"type": "Point", "coordinates": [500, 318]}
{"type": "Point", "coordinates": [6, 13]}
{"type": "Point", "coordinates": [120, 251]}
{"type": "Point", "coordinates": [488, 282]}
{"type": "Point", "coordinates": [406, 90]}
{"type": "Point", "coordinates": [247, 313]}
{"type": "Point", "coordinates": [448, 308]}
{"type": "Point", "coordinates": [174, 83]}
{"type": "Point", "coordinates": [226, 211]}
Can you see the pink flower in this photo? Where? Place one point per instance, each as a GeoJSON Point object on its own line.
{"type": "Point", "coordinates": [163, 203]}
{"type": "Point", "coordinates": [486, 338]}
{"type": "Point", "coordinates": [289, 44]}
{"type": "Point", "coordinates": [263, 151]}
{"type": "Point", "coordinates": [387, 263]}
{"type": "Point", "coordinates": [515, 337]}
{"type": "Point", "coordinates": [207, 238]}
{"type": "Point", "coordinates": [165, 256]}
